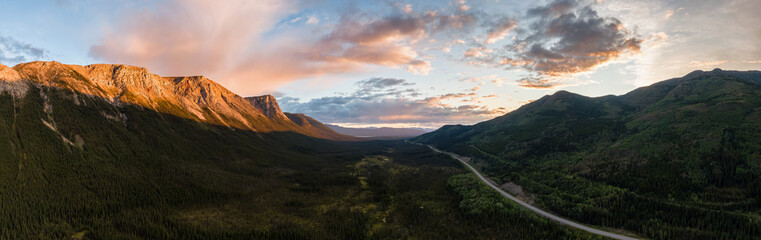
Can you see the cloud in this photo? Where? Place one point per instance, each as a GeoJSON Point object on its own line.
{"type": "Point", "coordinates": [656, 39]}
{"type": "Point", "coordinates": [462, 5]}
{"type": "Point", "coordinates": [295, 20]}
{"type": "Point", "coordinates": [352, 30]}
{"type": "Point", "coordinates": [382, 83]}
{"type": "Point", "coordinates": [312, 20]}
{"type": "Point", "coordinates": [384, 87]}
{"type": "Point", "coordinates": [570, 39]}
{"type": "Point", "coordinates": [700, 64]}
{"type": "Point", "coordinates": [387, 41]}
{"type": "Point", "coordinates": [499, 30]}
{"type": "Point", "coordinates": [498, 82]}
{"type": "Point", "coordinates": [560, 40]}
{"type": "Point", "coordinates": [448, 46]}
{"type": "Point", "coordinates": [478, 52]}
{"type": "Point", "coordinates": [669, 13]}
{"type": "Point", "coordinates": [200, 37]}
{"type": "Point", "coordinates": [380, 101]}
{"type": "Point", "coordinates": [383, 41]}
{"type": "Point", "coordinates": [238, 45]}
{"type": "Point", "coordinates": [13, 52]}
{"type": "Point", "coordinates": [437, 100]}
{"type": "Point", "coordinates": [538, 82]}
{"type": "Point", "coordinates": [407, 9]}
{"type": "Point", "coordinates": [494, 78]}
{"type": "Point", "coordinates": [460, 21]}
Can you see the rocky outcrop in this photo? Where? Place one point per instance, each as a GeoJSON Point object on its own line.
{"type": "Point", "coordinates": [194, 97]}
{"type": "Point", "coordinates": [267, 104]}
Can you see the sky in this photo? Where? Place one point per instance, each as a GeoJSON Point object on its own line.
{"type": "Point", "coordinates": [394, 63]}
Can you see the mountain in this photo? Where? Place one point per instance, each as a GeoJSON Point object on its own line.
{"type": "Point", "coordinates": [114, 152]}
{"type": "Point", "coordinates": [196, 98]}
{"type": "Point", "coordinates": [684, 147]}
{"type": "Point", "coordinates": [267, 104]}
{"type": "Point", "coordinates": [383, 132]}
{"type": "Point", "coordinates": [314, 126]}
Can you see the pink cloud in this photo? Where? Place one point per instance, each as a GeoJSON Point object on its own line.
{"type": "Point", "coordinates": [194, 37]}
{"type": "Point", "coordinates": [227, 43]}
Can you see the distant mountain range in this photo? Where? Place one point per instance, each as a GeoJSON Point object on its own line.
{"type": "Point", "coordinates": [382, 132]}
{"type": "Point", "coordinates": [687, 147]}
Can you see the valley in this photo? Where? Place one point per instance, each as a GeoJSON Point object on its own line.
{"type": "Point", "coordinates": [117, 164]}
{"type": "Point", "coordinates": [391, 119]}
{"type": "Point", "coordinates": [489, 182]}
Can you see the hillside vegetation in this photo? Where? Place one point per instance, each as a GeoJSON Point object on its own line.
{"type": "Point", "coordinates": [680, 159]}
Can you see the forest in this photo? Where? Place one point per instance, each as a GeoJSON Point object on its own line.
{"type": "Point", "coordinates": [86, 169]}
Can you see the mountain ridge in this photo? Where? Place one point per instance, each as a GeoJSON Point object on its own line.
{"type": "Point", "coordinates": [751, 76]}
{"type": "Point", "coordinates": [193, 97]}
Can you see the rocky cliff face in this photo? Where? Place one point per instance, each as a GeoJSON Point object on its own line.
{"type": "Point", "coordinates": [267, 104]}
{"type": "Point", "coordinates": [195, 97]}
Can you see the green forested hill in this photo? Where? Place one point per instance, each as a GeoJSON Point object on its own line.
{"type": "Point", "coordinates": [680, 159]}
{"type": "Point", "coordinates": [77, 166]}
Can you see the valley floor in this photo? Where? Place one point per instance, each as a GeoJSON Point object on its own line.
{"type": "Point", "coordinates": [464, 160]}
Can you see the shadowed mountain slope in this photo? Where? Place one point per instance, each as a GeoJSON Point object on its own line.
{"type": "Point", "coordinates": [314, 126]}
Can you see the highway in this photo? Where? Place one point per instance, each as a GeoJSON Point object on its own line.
{"type": "Point", "coordinates": [532, 208]}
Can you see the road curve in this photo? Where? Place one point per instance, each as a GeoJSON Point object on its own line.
{"type": "Point", "coordinates": [532, 208]}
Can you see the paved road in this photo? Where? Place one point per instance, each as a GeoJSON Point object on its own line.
{"type": "Point", "coordinates": [532, 208]}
